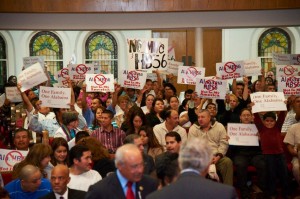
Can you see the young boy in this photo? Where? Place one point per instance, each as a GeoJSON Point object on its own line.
{"type": "Point", "coordinates": [271, 143]}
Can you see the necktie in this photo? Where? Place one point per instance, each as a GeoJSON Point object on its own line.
{"type": "Point", "coordinates": [129, 193]}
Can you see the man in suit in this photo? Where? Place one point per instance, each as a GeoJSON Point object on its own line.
{"type": "Point", "coordinates": [128, 181]}
{"type": "Point", "coordinates": [59, 180]}
{"type": "Point", "coordinates": [194, 158]}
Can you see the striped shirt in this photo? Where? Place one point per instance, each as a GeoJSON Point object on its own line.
{"type": "Point", "coordinates": [110, 140]}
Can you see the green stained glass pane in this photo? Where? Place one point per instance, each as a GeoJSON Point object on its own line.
{"type": "Point", "coordinates": [101, 47]}
{"type": "Point", "coordinates": [273, 40]}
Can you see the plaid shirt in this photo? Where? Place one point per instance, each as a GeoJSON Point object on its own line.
{"type": "Point", "coordinates": [110, 140]}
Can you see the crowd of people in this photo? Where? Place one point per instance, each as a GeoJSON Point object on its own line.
{"type": "Point", "coordinates": [134, 142]}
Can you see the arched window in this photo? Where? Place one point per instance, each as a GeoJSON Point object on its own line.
{"type": "Point", "coordinates": [49, 45]}
{"type": "Point", "coordinates": [273, 40]}
{"type": "Point", "coordinates": [101, 49]}
{"type": "Point", "coordinates": [3, 64]}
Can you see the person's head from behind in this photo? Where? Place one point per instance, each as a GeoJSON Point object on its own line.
{"type": "Point", "coordinates": [60, 179]}
{"type": "Point", "coordinates": [173, 142]}
{"type": "Point", "coordinates": [106, 118]}
{"type": "Point", "coordinates": [39, 155]}
{"type": "Point", "coordinates": [98, 151]}
{"type": "Point", "coordinates": [80, 158]}
{"type": "Point", "coordinates": [195, 154]}
{"type": "Point", "coordinates": [136, 140]}
{"type": "Point", "coordinates": [22, 139]}
{"type": "Point", "coordinates": [269, 119]}
{"type": "Point", "coordinates": [167, 168]}
{"type": "Point", "coordinates": [30, 178]}
{"type": "Point", "coordinates": [81, 134]}
{"type": "Point", "coordinates": [60, 150]}
{"type": "Point", "coordinates": [129, 162]}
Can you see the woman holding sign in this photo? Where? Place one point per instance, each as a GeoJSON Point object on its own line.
{"type": "Point", "coordinates": [244, 156]}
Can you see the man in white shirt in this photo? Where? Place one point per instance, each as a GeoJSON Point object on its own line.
{"type": "Point", "coordinates": [82, 176]}
{"type": "Point", "coordinates": [170, 124]}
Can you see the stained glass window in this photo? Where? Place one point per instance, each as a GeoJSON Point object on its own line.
{"type": "Point", "coordinates": [49, 45]}
{"type": "Point", "coordinates": [3, 61]}
{"type": "Point", "coordinates": [101, 49]}
{"type": "Point", "coordinates": [273, 40]}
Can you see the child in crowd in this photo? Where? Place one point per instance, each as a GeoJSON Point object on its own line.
{"type": "Point", "coordinates": [271, 143]}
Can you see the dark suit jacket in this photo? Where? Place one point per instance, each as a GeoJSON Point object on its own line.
{"type": "Point", "coordinates": [72, 194]}
{"type": "Point", "coordinates": [193, 186]}
{"type": "Point", "coordinates": [111, 188]}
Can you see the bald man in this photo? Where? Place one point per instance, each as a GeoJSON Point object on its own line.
{"type": "Point", "coordinates": [59, 180]}
{"type": "Point", "coordinates": [128, 181]}
{"type": "Point", "coordinates": [29, 185]}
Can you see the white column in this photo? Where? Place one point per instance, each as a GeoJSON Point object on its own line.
{"type": "Point", "coordinates": [199, 47]}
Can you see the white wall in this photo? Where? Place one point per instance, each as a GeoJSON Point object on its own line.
{"type": "Point", "coordinates": [73, 43]}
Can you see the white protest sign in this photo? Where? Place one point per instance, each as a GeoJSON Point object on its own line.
{"type": "Point", "coordinates": [99, 83]}
{"type": "Point", "coordinates": [268, 101]}
{"type": "Point", "coordinates": [286, 59]}
{"type": "Point", "coordinates": [289, 85]}
{"type": "Point", "coordinates": [133, 79]}
{"type": "Point", "coordinates": [2, 99]}
{"type": "Point", "coordinates": [8, 158]}
{"type": "Point", "coordinates": [230, 70]}
{"type": "Point", "coordinates": [77, 72]}
{"type": "Point", "coordinates": [55, 97]}
{"type": "Point", "coordinates": [147, 54]}
{"type": "Point", "coordinates": [13, 94]}
{"type": "Point", "coordinates": [172, 67]}
{"type": "Point", "coordinates": [287, 70]}
{"type": "Point", "coordinates": [61, 77]}
{"type": "Point", "coordinates": [242, 134]}
{"type": "Point", "coordinates": [28, 61]}
{"type": "Point", "coordinates": [281, 59]}
{"type": "Point", "coordinates": [188, 74]}
{"type": "Point", "coordinates": [32, 76]}
{"type": "Point", "coordinates": [211, 88]}
{"type": "Point", "coordinates": [252, 67]}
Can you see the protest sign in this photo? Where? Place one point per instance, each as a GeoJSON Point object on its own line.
{"type": "Point", "coordinates": [171, 53]}
{"type": "Point", "coordinates": [287, 70]}
{"type": "Point", "coordinates": [32, 76]}
{"type": "Point", "coordinates": [13, 94]}
{"type": "Point", "coordinates": [172, 67]}
{"type": "Point", "coordinates": [153, 76]}
{"type": "Point", "coordinates": [99, 83]}
{"type": "Point", "coordinates": [55, 97]}
{"type": "Point", "coordinates": [289, 85]}
{"type": "Point", "coordinates": [61, 77]}
{"type": "Point", "coordinates": [147, 54]}
{"type": "Point", "coordinates": [211, 88]}
{"type": "Point", "coordinates": [286, 59]}
{"type": "Point", "coordinates": [8, 158]}
{"type": "Point", "coordinates": [230, 70]}
{"type": "Point", "coordinates": [188, 74]}
{"type": "Point", "coordinates": [28, 61]}
{"type": "Point", "coordinates": [77, 72]}
{"type": "Point", "coordinates": [242, 134]}
{"type": "Point", "coordinates": [133, 79]}
{"type": "Point", "coordinates": [268, 101]}
{"type": "Point", "coordinates": [252, 67]}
